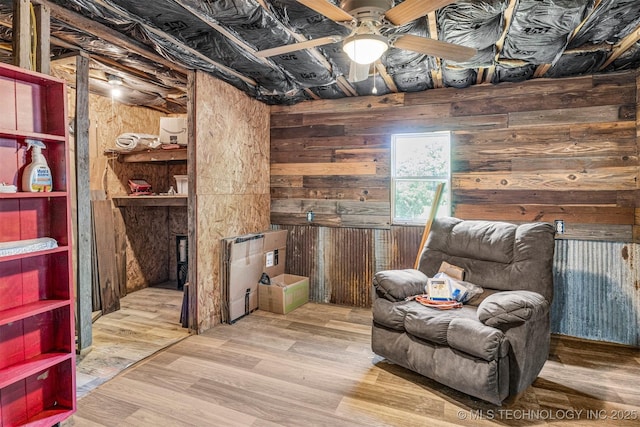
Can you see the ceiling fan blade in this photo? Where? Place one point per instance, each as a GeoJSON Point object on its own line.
{"type": "Point", "coordinates": [298, 46]}
{"type": "Point", "coordinates": [437, 48]}
{"type": "Point", "coordinates": [327, 9]}
{"type": "Point", "coordinates": [358, 72]}
{"type": "Point", "coordinates": [410, 10]}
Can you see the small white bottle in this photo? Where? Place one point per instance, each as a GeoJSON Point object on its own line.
{"type": "Point", "coordinates": [37, 175]}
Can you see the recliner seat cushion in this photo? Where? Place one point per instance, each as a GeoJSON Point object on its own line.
{"type": "Point", "coordinates": [458, 328]}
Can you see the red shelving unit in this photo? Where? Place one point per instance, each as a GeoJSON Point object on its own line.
{"type": "Point", "coordinates": [37, 349]}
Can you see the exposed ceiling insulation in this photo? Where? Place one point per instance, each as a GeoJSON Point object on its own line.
{"type": "Point", "coordinates": [151, 45]}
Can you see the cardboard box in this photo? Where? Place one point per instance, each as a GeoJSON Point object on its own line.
{"type": "Point", "coordinates": [173, 130]}
{"type": "Point", "coordinates": [285, 293]}
{"type": "Point", "coordinates": [275, 252]}
{"type": "Point", "coordinates": [245, 269]}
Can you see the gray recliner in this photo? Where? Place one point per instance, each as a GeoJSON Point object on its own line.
{"type": "Point", "coordinates": [493, 347]}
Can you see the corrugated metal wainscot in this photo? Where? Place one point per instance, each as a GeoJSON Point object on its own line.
{"type": "Point", "coordinates": [597, 293]}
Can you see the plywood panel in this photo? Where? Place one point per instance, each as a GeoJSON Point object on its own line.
{"type": "Point", "coordinates": [141, 248]}
{"type": "Point", "coordinates": [231, 181]}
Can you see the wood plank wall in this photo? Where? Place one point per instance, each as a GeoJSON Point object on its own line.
{"type": "Point", "coordinates": [544, 149]}
{"type": "Point", "coordinates": [540, 150]}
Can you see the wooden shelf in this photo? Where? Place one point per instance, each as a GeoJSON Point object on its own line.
{"type": "Point", "coordinates": [21, 135]}
{"type": "Point", "coordinates": [31, 366]}
{"type": "Point", "coordinates": [27, 195]}
{"type": "Point", "coordinates": [177, 200]}
{"type": "Point", "coordinates": [23, 311]}
{"type": "Point", "coordinates": [34, 254]}
{"type": "Point", "coordinates": [37, 350]}
{"type": "Point", "coordinates": [48, 416]}
{"type": "Point", "coordinates": [159, 155]}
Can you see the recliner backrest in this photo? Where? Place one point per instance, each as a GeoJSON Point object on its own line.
{"type": "Point", "coordinates": [495, 255]}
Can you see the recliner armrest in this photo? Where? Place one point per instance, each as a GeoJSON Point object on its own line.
{"type": "Point", "coordinates": [396, 285]}
{"type": "Point", "coordinates": [511, 308]}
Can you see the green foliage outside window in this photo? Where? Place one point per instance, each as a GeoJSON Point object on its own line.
{"type": "Point", "coordinates": [420, 163]}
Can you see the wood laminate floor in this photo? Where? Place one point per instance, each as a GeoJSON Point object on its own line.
{"type": "Point", "coordinates": [314, 367]}
{"type": "Point", "coordinates": [148, 321]}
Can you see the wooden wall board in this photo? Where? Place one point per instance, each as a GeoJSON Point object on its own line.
{"type": "Point", "coordinates": [430, 113]}
{"type": "Point", "coordinates": [106, 255]}
{"type": "Point", "coordinates": [624, 198]}
{"type": "Point", "coordinates": [343, 105]}
{"type": "Point", "coordinates": [326, 143]}
{"type": "Point", "coordinates": [410, 125]}
{"type": "Point", "coordinates": [549, 213]}
{"type": "Point", "coordinates": [623, 178]}
{"type": "Point", "coordinates": [363, 195]}
{"type": "Point", "coordinates": [324, 169]}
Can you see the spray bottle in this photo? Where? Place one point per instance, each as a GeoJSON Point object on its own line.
{"type": "Point", "coordinates": [37, 175]}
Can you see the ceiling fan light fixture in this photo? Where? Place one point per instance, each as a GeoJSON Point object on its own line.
{"type": "Point", "coordinates": [365, 48]}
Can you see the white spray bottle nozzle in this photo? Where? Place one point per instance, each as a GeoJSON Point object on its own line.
{"type": "Point", "coordinates": [34, 143]}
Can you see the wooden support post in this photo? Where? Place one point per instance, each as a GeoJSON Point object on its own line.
{"type": "Point", "coordinates": [427, 226]}
{"type": "Point", "coordinates": [22, 34]}
{"type": "Point", "coordinates": [192, 267]}
{"type": "Point", "coordinates": [83, 199]}
{"type": "Point", "coordinates": [43, 39]}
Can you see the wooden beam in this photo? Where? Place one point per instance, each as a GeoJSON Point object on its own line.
{"type": "Point", "coordinates": [345, 86]}
{"type": "Point", "coordinates": [22, 34]}
{"type": "Point", "coordinates": [436, 75]}
{"type": "Point", "coordinates": [311, 94]}
{"type": "Point", "coordinates": [193, 291]}
{"type": "Point", "coordinates": [542, 69]}
{"type": "Point", "coordinates": [388, 80]}
{"type": "Point", "coordinates": [178, 43]}
{"type": "Point", "coordinates": [83, 203]}
{"type": "Point", "coordinates": [508, 16]}
{"type": "Point", "coordinates": [43, 39]}
{"type": "Point", "coordinates": [347, 89]}
{"type": "Point", "coordinates": [111, 36]}
{"type": "Point", "coordinates": [622, 46]}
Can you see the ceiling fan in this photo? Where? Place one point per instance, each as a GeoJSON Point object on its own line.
{"type": "Point", "coordinates": [371, 23]}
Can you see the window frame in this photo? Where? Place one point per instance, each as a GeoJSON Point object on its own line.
{"type": "Point", "coordinates": [394, 179]}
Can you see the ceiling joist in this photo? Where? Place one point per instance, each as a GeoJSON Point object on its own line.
{"type": "Point", "coordinates": [622, 46]}
{"type": "Point", "coordinates": [109, 35]}
{"type": "Point", "coordinates": [176, 42]}
{"type": "Point", "coordinates": [542, 69]}
{"type": "Point", "coordinates": [507, 16]}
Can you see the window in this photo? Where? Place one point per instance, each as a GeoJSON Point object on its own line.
{"type": "Point", "coordinates": [419, 162]}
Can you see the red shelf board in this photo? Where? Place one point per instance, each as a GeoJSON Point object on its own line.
{"type": "Point", "coordinates": [32, 254]}
{"type": "Point", "coordinates": [21, 134]}
{"type": "Point", "coordinates": [49, 417]}
{"type": "Point", "coordinates": [25, 195]}
{"type": "Point", "coordinates": [23, 74]}
{"type": "Point", "coordinates": [31, 309]}
{"type": "Point", "coordinates": [29, 367]}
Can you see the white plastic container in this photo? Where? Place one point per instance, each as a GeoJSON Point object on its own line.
{"type": "Point", "coordinates": [182, 184]}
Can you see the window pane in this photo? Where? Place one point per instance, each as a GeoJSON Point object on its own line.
{"type": "Point", "coordinates": [413, 200]}
{"type": "Point", "coordinates": [422, 156]}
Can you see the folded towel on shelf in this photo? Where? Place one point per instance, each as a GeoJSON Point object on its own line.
{"type": "Point", "coordinates": [131, 141]}
{"type": "Point", "coordinates": [26, 246]}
